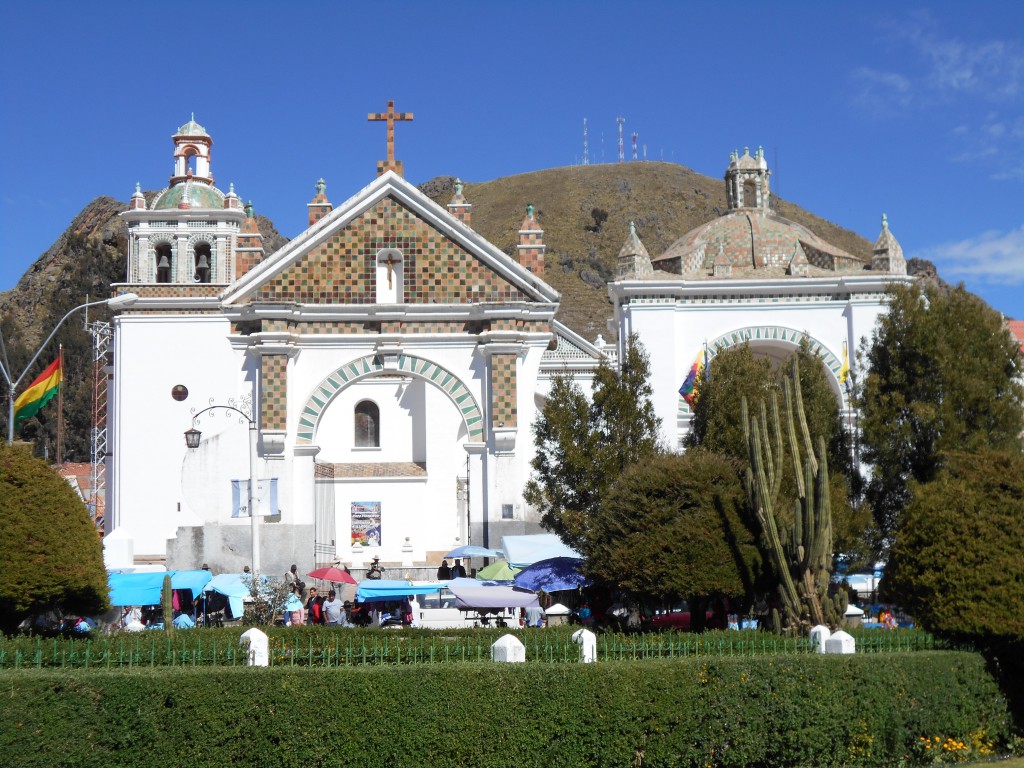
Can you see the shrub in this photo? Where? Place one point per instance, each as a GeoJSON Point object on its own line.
{"type": "Point", "coordinates": [792, 711]}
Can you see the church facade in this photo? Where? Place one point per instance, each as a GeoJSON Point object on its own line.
{"type": "Point", "coordinates": [389, 362]}
{"type": "Point", "coordinates": [750, 276]}
{"type": "Point", "coordinates": [379, 375]}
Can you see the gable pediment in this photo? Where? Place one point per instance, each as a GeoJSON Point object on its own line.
{"type": "Point", "coordinates": [432, 258]}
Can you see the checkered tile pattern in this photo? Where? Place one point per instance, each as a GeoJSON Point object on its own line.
{"type": "Point", "coordinates": [172, 291]}
{"type": "Point", "coordinates": [273, 391]}
{"type": "Point", "coordinates": [343, 270]}
{"type": "Point", "coordinates": [370, 366]}
{"type": "Point", "coordinates": [503, 390]}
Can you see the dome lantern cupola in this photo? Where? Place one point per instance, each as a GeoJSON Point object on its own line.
{"type": "Point", "coordinates": [746, 180]}
{"type": "Point", "coordinates": [192, 153]}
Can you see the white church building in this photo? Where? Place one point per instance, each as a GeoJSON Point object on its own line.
{"type": "Point", "coordinates": [389, 362]}
{"type": "Point", "coordinates": [389, 359]}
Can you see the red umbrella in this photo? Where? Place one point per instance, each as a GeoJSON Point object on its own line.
{"type": "Point", "coordinates": [332, 574]}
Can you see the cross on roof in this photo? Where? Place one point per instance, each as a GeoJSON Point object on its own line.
{"type": "Point", "coordinates": [390, 116]}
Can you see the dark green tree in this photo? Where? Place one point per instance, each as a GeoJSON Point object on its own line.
{"type": "Point", "coordinates": [956, 563]}
{"type": "Point", "coordinates": [942, 374]}
{"type": "Point", "coordinates": [676, 526]}
{"type": "Point", "coordinates": [583, 445]}
{"type": "Point", "coordinates": [52, 557]}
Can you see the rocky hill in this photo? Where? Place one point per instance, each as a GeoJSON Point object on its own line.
{"type": "Point", "coordinates": [585, 212]}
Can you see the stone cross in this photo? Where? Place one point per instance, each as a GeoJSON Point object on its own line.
{"type": "Point", "coordinates": [390, 116]}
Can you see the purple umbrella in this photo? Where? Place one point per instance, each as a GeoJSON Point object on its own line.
{"type": "Point", "coordinates": [552, 575]}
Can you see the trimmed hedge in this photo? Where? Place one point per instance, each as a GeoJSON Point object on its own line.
{"type": "Point", "coordinates": [332, 647]}
{"type": "Point", "coordinates": [755, 711]}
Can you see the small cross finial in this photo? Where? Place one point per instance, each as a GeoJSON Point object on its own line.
{"type": "Point", "coordinates": [390, 117]}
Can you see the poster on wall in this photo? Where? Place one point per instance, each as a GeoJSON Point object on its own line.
{"type": "Point", "coordinates": [266, 498]}
{"type": "Point", "coordinates": [366, 523]}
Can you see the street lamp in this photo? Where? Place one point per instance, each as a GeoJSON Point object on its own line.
{"type": "Point", "coordinates": [117, 302]}
{"type": "Point", "coordinates": [192, 438]}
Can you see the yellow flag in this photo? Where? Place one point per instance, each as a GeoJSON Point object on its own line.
{"type": "Point", "coordinates": [844, 369]}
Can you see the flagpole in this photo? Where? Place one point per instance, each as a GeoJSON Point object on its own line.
{"type": "Point", "coordinates": [60, 406]}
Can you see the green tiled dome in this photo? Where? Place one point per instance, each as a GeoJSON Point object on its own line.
{"type": "Point", "coordinates": [192, 128]}
{"type": "Point", "coordinates": [199, 196]}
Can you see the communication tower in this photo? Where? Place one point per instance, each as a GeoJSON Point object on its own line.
{"type": "Point", "coordinates": [586, 150]}
{"type": "Point", "coordinates": [634, 147]}
{"type": "Point", "coordinates": [622, 154]}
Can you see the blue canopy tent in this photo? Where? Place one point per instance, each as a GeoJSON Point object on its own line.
{"type": "Point", "coordinates": [145, 588]}
{"type": "Point", "coordinates": [521, 551]}
{"type": "Point", "coordinates": [381, 590]}
{"type": "Point", "coordinates": [472, 551]}
{"type": "Point", "coordinates": [553, 575]}
{"type": "Point", "coordinates": [233, 588]}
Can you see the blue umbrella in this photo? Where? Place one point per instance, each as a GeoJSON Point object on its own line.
{"type": "Point", "coordinates": [552, 575]}
{"type": "Point", "coordinates": [470, 551]}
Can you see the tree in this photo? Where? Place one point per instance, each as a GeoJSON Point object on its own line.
{"type": "Point", "coordinates": [956, 561]}
{"type": "Point", "coordinates": [52, 557]}
{"type": "Point", "coordinates": [582, 446]}
{"type": "Point", "coordinates": [941, 375]}
{"type": "Point", "coordinates": [676, 526]}
{"type": "Point", "coordinates": [600, 216]}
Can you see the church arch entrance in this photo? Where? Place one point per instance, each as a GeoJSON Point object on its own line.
{"type": "Point", "coordinates": [777, 343]}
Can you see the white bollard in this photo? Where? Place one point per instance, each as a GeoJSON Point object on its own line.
{"type": "Point", "coordinates": [587, 641]}
{"type": "Point", "coordinates": [819, 636]}
{"type": "Point", "coordinates": [508, 648]}
{"type": "Point", "coordinates": [259, 647]}
{"type": "Point", "coordinates": [840, 642]}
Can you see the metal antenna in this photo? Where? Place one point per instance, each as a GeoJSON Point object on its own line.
{"type": "Point", "coordinates": [622, 154]}
{"type": "Point", "coordinates": [586, 150]}
{"type": "Point", "coordinates": [634, 147]}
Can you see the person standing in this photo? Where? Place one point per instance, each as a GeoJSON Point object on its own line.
{"type": "Point", "coordinates": [375, 571]}
{"type": "Point", "coordinates": [458, 572]}
{"type": "Point", "coordinates": [444, 573]}
{"type": "Point", "coordinates": [333, 609]}
{"type": "Point", "coordinates": [313, 614]}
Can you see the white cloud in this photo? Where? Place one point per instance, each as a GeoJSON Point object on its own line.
{"type": "Point", "coordinates": [991, 257]}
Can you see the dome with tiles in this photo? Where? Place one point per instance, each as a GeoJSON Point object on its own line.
{"type": "Point", "coordinates": [196, 194]}
{"type": "Point", "coordinates": [192, 128]}
{"type": "Point", "coordinates": [748, 240]}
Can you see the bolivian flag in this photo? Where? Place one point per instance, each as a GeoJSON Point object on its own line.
{"type": "Point", "coordinates": [39, 392]}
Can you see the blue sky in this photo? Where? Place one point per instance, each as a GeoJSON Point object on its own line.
{"type": "Point", "coordinates": [862, 108]}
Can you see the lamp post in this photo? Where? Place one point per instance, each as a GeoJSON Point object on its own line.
{"type": "Point", "coordinates": [117, 302]}
{"type": "Point", "coordinates": [192, 438]}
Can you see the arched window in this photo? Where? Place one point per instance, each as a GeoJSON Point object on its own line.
{"type": "Point", "coordinates": [163, 262]}
{"type": "Point", "coordinates": [749, 194]}
{"type": "Point", "coordinates": [367, 425]}
{"type": "Point", "coordinates": [202, 263]}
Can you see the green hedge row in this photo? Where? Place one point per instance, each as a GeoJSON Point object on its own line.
{"type": "Point", "coordinates": [324, 646]}
{"type": "Point", "coordinates": [871, 710]}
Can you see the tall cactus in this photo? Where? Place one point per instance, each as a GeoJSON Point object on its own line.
{"type": "Point", "coordinates": [802, 552]}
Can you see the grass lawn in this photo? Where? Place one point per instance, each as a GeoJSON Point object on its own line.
{"type": "Point", "coordinates": [1013, 762]}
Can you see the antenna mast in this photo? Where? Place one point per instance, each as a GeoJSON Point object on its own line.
{"type": "Point", "coordinates": [586, 151]}
{"type": "Point", "coordinates": [622, 154]}
{"type": "Point", "coordinates": [634, 147]}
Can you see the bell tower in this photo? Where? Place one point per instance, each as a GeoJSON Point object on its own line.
{"type": "Point", "coordinates": [188, 234]}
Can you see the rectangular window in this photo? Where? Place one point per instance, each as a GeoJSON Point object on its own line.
{"type": "Point", "coordinates": [506, 512]}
